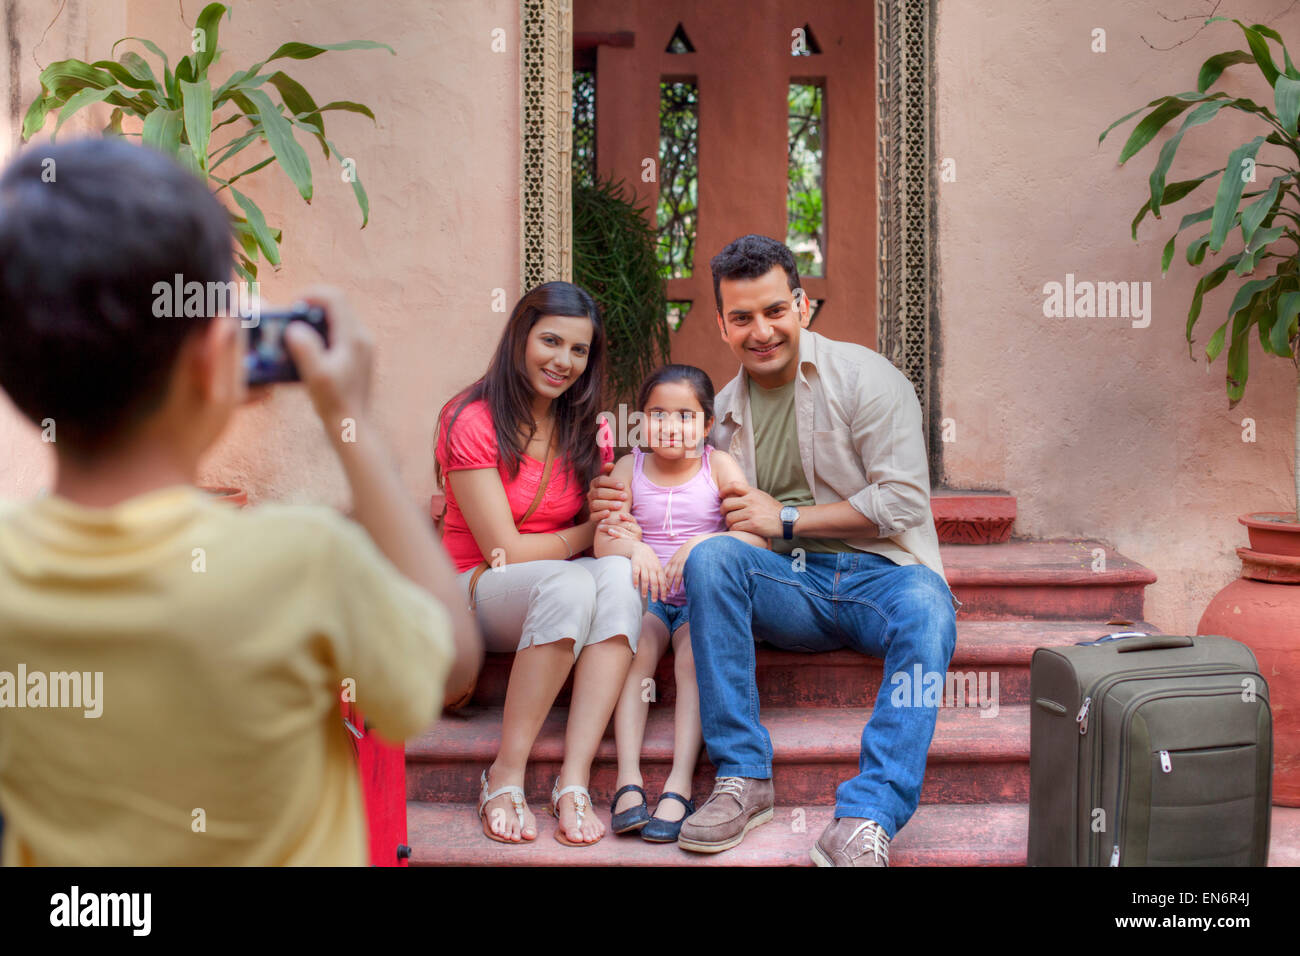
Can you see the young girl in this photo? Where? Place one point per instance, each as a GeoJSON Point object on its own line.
{"type": "Point", "coordinates": [673, 497]}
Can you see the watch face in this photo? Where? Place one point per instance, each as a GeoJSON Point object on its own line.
{"type": "Point", "coordinates": [788, 513]}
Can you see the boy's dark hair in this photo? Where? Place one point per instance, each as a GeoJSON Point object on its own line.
{"type": "Point", "coordinates": [750, 257]}
{"type": "Point", "coordinates": [696, 378]}
{"type": "Point", "coordinates": [87, 227]}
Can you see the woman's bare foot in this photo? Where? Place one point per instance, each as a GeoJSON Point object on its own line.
{"type": "Point", "coordinates": [590, 831]}
{"type": "Point", "coordinates": [501, 816]}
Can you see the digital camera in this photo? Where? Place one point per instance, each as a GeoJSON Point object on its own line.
{"type": "Point", "coordinates": [267, 361]}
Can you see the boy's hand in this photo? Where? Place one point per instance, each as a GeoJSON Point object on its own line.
{"type": "Point", "coordinates": [648, 573]}
{"type": "Point", "coordinates": [338, 377]}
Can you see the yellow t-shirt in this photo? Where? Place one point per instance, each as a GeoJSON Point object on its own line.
{"type": "Point", "coordinates": [212, 645]}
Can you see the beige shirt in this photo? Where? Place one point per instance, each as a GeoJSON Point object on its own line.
{"type": "Point", "coordinates": [860, 441]}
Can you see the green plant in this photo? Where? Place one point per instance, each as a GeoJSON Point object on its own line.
{"type": "Point", "coordinates": [179, 114]}
{"type": "Point", "coordinates": [615, 259]}
{"type": "Point", "coordinates": [1270, 304]}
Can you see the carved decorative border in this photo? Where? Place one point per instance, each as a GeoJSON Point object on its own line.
{"type": "Point", "coordinates": [906, 190]}
{"type": "Point", "coordinates": [545, 133]}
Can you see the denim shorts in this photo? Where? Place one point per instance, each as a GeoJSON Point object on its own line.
{"type": "Point", "coordinates": [673, 615]}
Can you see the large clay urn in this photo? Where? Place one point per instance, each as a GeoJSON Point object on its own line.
{"type": "Point", "coordinates": [1262, 610]}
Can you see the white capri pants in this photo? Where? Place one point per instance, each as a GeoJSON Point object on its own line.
{"type": "Point", "coordinates": [586, 600]}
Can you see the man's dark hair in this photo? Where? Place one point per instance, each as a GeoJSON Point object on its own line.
{"type": "Point", "coordinates": [87, 227]}
{"type": "Point", "coordinates": [750, 257]}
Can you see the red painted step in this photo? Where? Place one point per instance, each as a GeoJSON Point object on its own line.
{"type": "Point", "coordinates": [849, 679]}
{"type": "Point", "coordinates": [973, 517]}
{"type": "Point", "coordinates": [973, 758]}
{"type": "Point", "coordinates": [960, 517]}
{"type": "Point", "coordinates": [937, 835]}
{"type": "Point", "coordinates": [1077, 579]}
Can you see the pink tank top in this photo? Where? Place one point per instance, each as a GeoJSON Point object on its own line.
{"type": "Point", "coordinates": [671, 516]}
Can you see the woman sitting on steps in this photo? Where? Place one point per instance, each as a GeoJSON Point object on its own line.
{"type": "Point", "coordinates": [518, 449]}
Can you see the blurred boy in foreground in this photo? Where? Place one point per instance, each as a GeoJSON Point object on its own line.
{"type": "Point", "coordinates": [182, 660]}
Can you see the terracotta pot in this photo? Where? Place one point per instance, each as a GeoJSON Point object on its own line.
{"type": "Point", "coordinates": [1262, 610]}
{"type": "Point", "coordinates": [231, 496]}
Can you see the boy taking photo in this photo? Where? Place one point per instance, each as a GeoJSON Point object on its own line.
{"type": "Point", "coordinates": [183, 660]}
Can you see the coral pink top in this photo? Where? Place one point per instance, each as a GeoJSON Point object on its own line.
{"type": "Point", "coordinates": [473, 444]}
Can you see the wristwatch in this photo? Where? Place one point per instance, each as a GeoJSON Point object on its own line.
{"type": "Point", "coordinates": [789, 515]}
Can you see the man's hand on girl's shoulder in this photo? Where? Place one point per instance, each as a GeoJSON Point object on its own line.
{"type": "Point", "coordinates": [606, 493]}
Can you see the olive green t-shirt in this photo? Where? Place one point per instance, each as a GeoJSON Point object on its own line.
{"type": "Point", "coordinates": [776, 461]}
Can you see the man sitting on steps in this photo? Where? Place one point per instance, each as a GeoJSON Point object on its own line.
{"type": "Point", "coordinates": [829, 436]}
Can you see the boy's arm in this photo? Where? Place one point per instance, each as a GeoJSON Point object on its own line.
{"type": "Point", "coordinates": [338, 380]}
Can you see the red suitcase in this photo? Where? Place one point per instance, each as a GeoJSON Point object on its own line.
{"type": "Point", "coordinates": [382, 768]}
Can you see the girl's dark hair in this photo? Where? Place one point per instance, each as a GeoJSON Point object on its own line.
{"type": "Point", "coordinates": [509, 395]}
{"type": "Point", "coordinates": [696, 378]}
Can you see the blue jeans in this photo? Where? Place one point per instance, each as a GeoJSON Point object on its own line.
{"type": "Point", "coordinates": [858, 600]}
{"type": "Point", "coordinates": [673, 615]}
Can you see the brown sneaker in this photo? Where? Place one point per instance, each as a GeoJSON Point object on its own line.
{"type": "Point", "coordinates": [852, 841]}
{"type": "Point", "coordinates": [736, 806]}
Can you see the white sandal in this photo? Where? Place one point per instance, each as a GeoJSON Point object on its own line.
{"type": "Point", "coordinates": [581, 803]}
{"type": "Point", "coordinates": [516, 798]}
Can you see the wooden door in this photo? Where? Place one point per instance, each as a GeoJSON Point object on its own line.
{"type": "Point", "coordinates": [742, 66]}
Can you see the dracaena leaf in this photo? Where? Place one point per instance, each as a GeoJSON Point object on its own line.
{"type": "Point", "coordinates": [279, 133]}
{"type": "Point", "coordinates": [257, 222]}
{"type": "Point", "coordinates": [1230, 189]}
{"type": "Point", "coordinates": [197, 101]}
{"type": "Point", "coordinates": [1213, 68]}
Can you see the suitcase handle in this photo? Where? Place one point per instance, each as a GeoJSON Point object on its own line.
{"type": "Point", "coordinates": [1148, 642]}
{"type": "Point", "coordinates": [1107, 638]}
{"type": "Point", "coordinates": [1157, 643]}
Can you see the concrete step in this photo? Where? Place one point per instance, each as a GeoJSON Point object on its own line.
{"type": "Point", "coordinates": [973, 517]}
{"type": "Point", "coordinates": [960, 517]}
{"type": "Point", "coordinates": [998, 652]}
{"type": "Point", "coordinates": [1009, 578]}
{"type": "Point", "coordinates": [1075, 579]}
{"type": "Point", "coordinates": [937, 835]}
{"type": "Point", "coordinates": [974, 757]}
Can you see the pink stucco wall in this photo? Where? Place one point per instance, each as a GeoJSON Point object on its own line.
{"type": "Point", "coordinates": [1099, 429]}
{"type": "Point", "coordinates": [441, 171]}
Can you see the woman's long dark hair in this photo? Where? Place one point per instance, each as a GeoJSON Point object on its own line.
{"type": "Point", "coordinates": [509, 394]}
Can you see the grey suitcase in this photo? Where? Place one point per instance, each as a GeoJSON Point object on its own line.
{"type": "Point", "coordinates": [1149, 750]}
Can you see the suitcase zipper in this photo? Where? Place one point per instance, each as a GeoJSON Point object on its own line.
{"type": "Point", "coordinates": [1121, 791]}
{"type": "Point", "coordinates": [1098, 692]}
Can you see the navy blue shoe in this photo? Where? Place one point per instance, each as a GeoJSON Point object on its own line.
{"type": "Point", "coordinates": [665, 831]}
{"type": "Point", "coordinates": [629, 820]}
